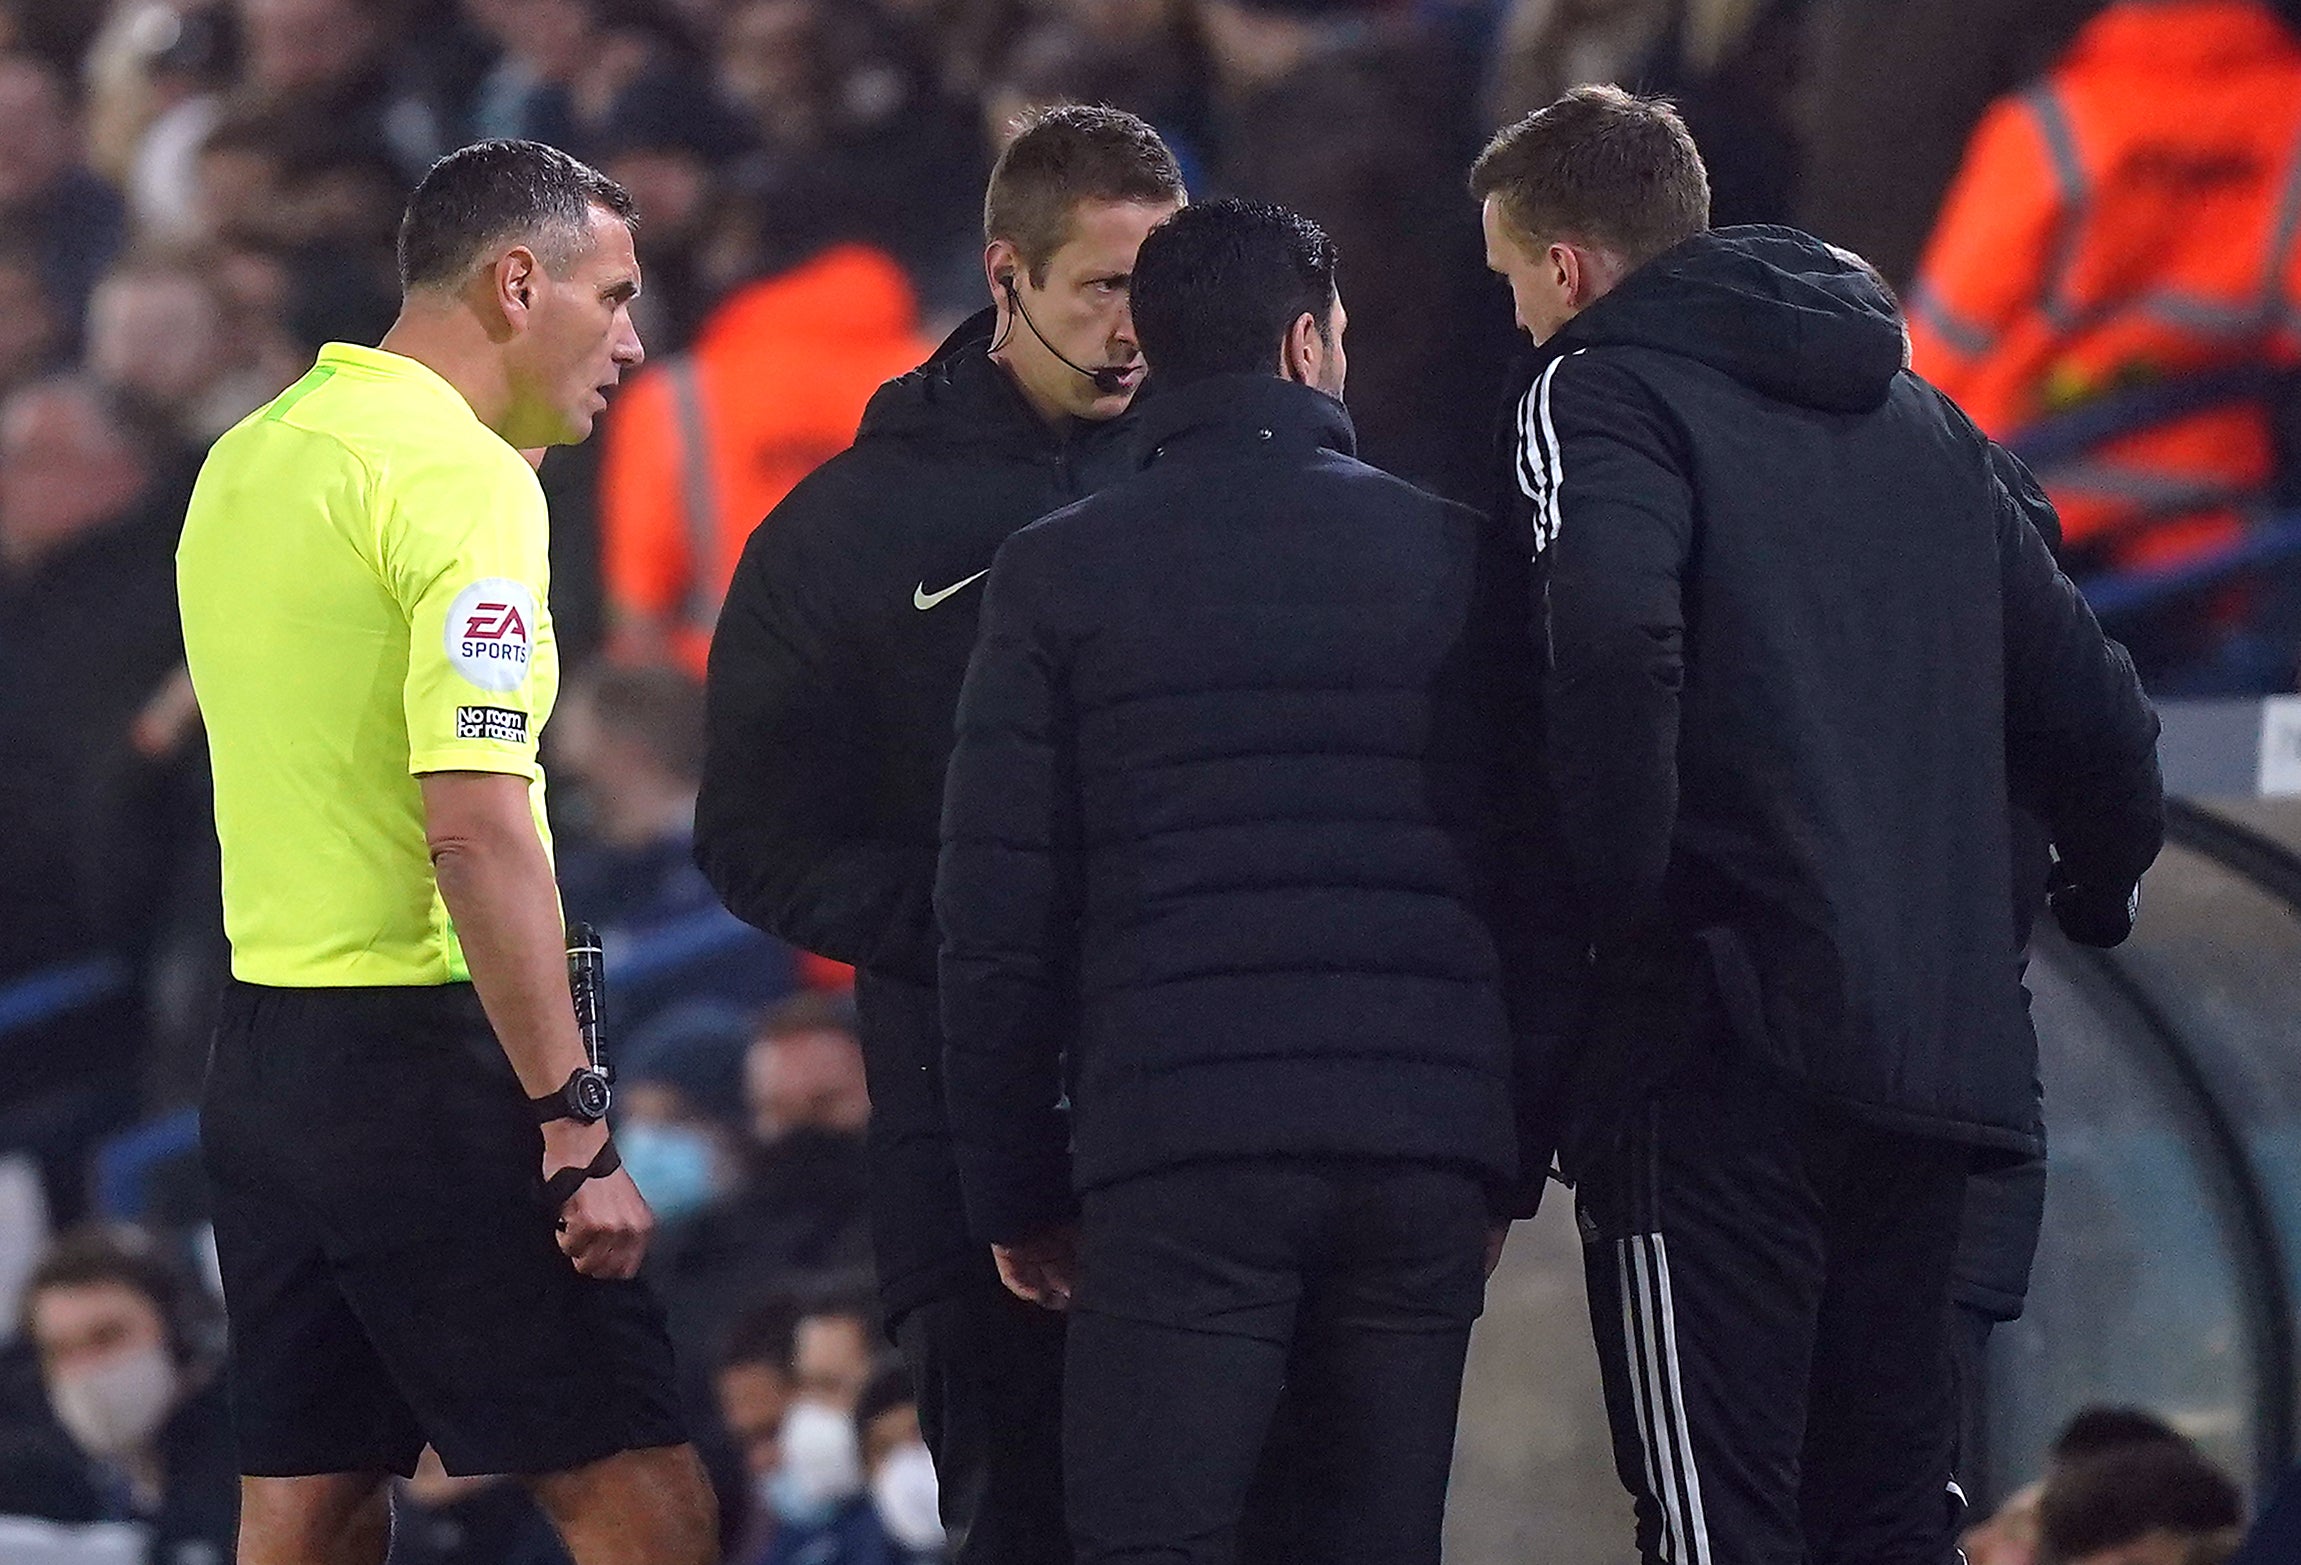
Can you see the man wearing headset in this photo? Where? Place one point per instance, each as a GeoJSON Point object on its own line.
{"type": "Point", "coordinates": [834, 677]}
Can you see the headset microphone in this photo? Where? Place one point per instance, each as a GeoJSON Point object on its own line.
{"type": "Point", "coordinates": [1109, 382]}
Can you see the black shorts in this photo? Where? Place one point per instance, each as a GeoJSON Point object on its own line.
{"type": "Point", "coordinates": [392, 1274]}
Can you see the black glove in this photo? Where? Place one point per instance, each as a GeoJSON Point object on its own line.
{"type": "Point", "coordinates": [2091, 915]}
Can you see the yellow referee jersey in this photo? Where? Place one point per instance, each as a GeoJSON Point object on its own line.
{"type": "Point", "coordinates": [363, 579]}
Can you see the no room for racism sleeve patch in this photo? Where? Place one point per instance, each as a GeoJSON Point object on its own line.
{"type": "Point", "coordinates": [490, 633]}
{"type": "Point", "coordinates": [499, 723]}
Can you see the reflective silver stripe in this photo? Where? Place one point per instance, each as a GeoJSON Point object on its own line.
{"type": "Point", "coordinates": [2060, 136]}
{"type": "Point", "coordinates": [2165, 493]}
{"type": "Point", "coordinates": [1634, 1360]}
{"type": "Point", "coordinates": [698, 493]}
{"type": "Point", "coordinates": [1697, 1527]}
{"type": "Point", "coordinates": [2204, 317]}
{"type": "Point", "coordinates": [2281, 237]}
{"type": "Point", "coordinates": [1966, 336]}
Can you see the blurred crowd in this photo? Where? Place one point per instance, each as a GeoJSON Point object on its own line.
{"type": "Point", "coordinates": [195, 194]}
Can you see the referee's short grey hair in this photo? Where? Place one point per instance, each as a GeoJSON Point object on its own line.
{"type": "Point", "coordinates": [502, 192]}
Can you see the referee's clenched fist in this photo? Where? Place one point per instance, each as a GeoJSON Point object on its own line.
{"type": "Point", "coordinates": [425, 1234]}
{"type": "Point", "coordinates": [604, 1227]}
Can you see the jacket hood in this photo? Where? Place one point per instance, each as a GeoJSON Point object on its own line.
{"type": "Point", "coordinates": [1783, 313]}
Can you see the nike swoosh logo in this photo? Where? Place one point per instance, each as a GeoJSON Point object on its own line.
{"type": "Point", "coordinates": [922, 599]}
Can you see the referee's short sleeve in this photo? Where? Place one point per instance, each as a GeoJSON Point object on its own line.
{"type": "Point", "coordinates": [466, 553]}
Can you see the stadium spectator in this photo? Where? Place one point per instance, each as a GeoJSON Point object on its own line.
{"type": "Point", "coordinates": [328, 62]}
{"type": "Point", "coordinates": [56, 30]}
{"type": "Point", "coordinates": [856, 129]}
{"type": "Point", "coordinates": [277, 183]}
{"type": "Point", "coordinates": [2151, 1503]}
{"type": "Point", "coordinates": [791, 1384]}
{"type": "Point", "coordinates": [630, 740]}
{"type": "Point", "coordinates": [160, 336]}
{"type": "Point", "coordinates": [1147, 59]}
{"type": "Point", "coordinates": [32, 335]}
{"type": "Point", "coordinates": [819, 1491]}
{"type": "Point", "coordinates": [666, 141]}
{"type": "Point", "coordinates": [898, 1469]}
{"type": "Point", "coordinates": [155, 78]}
{"type": "Point", "coordinates": [2011, 1536]}
{"type": "Point", "coordinates": [1361, 125]}
{"type": "Point", "coordinates": [86, 528]}
{"type": "Point", "coordinates": [752, 1389]}
{"type": "Point", "coordinates": [796, 1210]}
{"type": "Point", "coordinates": [124, 1338]}
{"type": "Point", "coordinates": [565, 64]}
{"type": "Point", "coordinates": [704, 444]}
{"type": "Point", "coordinates": [834, 1351]}
{"type": "Point", "coordinates": [2125, 222]}
{"type": "Point", "coordinates": [1892, 90]}
{"type": "Point", "coordinates": [50, 201]}
{"type": "Point", "coordinates": [679, 1145]}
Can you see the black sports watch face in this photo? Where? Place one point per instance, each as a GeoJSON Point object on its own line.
{"type": "Point", "coordinates": [587, 1095]}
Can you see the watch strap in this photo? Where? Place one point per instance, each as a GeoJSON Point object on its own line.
{"type": "Point", "coordinates": [560, 1186]}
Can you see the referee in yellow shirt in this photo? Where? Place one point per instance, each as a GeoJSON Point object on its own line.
{"type": "Point", "coordinates": [397, 1067]}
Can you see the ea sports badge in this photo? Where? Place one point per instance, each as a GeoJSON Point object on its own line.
{"type": "Point", "coordinates": [490, 633]}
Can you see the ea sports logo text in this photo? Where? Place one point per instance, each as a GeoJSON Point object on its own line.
{"type": "Point", "coordinates": [488, 633]}
{"type": "Point", "coordinates": [494, 621]}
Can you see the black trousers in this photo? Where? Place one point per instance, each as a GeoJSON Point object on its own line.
{"type": "Point", "coordinates": [1769, 1289]}
{"type": "Point", "coordinates": [1210, 1291]}
{"type": "Point", "coordinates": [988, 1372]}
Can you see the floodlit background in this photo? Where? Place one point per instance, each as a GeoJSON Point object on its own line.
{"type": "Point", "coordinates": [2093, 215]}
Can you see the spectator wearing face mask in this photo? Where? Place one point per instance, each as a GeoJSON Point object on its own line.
{"type": "Point", "coordinates": [751, 1389]}
{"type": "Point", "coordinates": [900, 1470]}
{"type": "Point", "coordinates": [118, 1330]}
{"type": "Point", "coordinates": [675, 1125]}
{"type": "Point", "coordinates": [794, 1207]}
{"type": "Point", "coordinates": [818, 1491]}
{"type": "Point", "coordinates": [802, 1396]}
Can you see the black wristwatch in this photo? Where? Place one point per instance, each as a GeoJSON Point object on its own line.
{"type": "Point", "coordinates": [584, 1098]}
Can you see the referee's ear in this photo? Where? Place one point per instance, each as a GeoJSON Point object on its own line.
{"type": "Point", "coordinates": [516, 274]}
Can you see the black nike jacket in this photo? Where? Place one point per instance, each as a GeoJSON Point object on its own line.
{"type": "Point", "coordinates": [1804, 652]}
{"type": "Point", "coordinates": [834, 676]}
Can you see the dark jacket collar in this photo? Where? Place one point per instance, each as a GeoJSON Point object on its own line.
{"type": "Point", "coordinates": [1250, 410]}
{"type": "Point", "coordinates": [961, 397]}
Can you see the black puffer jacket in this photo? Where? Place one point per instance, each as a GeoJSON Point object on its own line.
{"type": "Point", "coordinates": [1804, 649]}
{"type": "Point", "coordinates": [1231, 819]}
{"type": "Point", "coordinates": [834, 673]}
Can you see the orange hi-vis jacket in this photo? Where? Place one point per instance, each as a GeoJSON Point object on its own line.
{"type": "Point", "coordinates": [703, 445]}
{"type": "Point", "coordinates": [2130, 219]}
